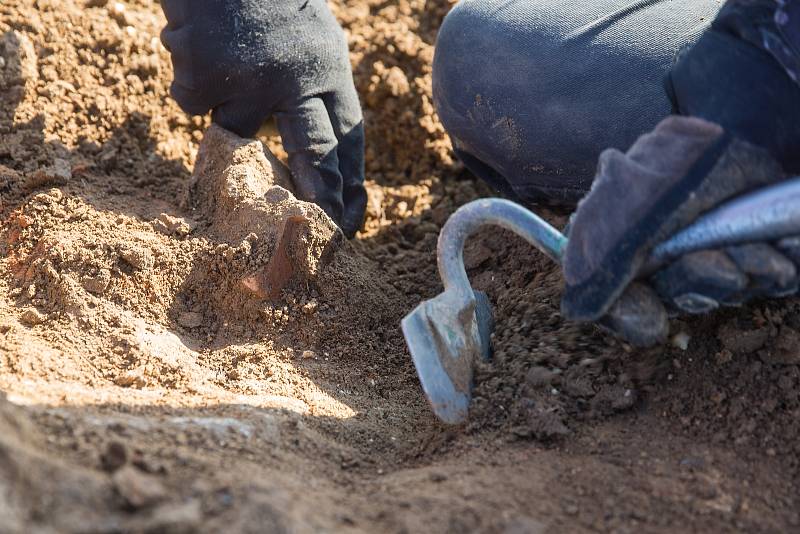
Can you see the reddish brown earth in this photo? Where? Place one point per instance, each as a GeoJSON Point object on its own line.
{"type": "Point", "coordinates": [185, 347]}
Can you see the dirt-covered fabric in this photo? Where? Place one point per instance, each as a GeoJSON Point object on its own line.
{"type": "Point", "coordinates": [683, 168]}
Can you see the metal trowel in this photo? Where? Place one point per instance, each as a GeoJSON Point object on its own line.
{"type": "Point", "coordinates": [447, 334]}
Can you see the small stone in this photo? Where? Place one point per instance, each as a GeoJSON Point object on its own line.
{"type": "Point", "coordinates": [137, 258]}
{"type": "Point", "coordinates": [114, 457]}
{"type": "Point", "coordinates": [118, 13]}
{"type": "Point", "coordinates": [710, 273]}
{"type": "Point", "coordinates": [740, 341]}
{"type": "Point", "coordinates": [8, 177]}
{"type": "Point", "coordinates": [277, 194]}
{"type": "Point", "coordinates": [31, 317]}
{"type": "Point", "coordinates": [397, 82]}
{"type": "Point", "coordinates": [171, 225]}
{"type": "Point", "coordinates": [190, 319]}
{"type": "Point", "coordinates": [310, 307]}
{"type": "Point", "coordinates": [681, 340]}
{"type": "Point", "coordinates": [176, 518]}
{"type": "Point", "coordinates": [786, 349]}
{"type": "Point", "coordinates": [59, 173]}
{"type": "Point", "coordinates": [138, 489]}
{"type": "Point", "coordinates": [98, 283]}
{"type": "Point", "coordinates": [693, 462]}
{"type": "Point", "coordinates": [438, 477]}
{"type": "Point", "coordinates": [132, 378]}
{"type": "Point", "coordinates": [308, 354]}
{"type": "Point", "coordinates": [19, 58]}
{"type": "Point", "coordinates": [765, 267]}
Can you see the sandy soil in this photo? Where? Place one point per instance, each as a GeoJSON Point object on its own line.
{"type": "Point", "coordinates": [184, 347]}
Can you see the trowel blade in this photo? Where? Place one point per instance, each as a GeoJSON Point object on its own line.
{"type": "Point", "coordinates": [445, 337]}
{"type": "Point", "coordinates": [485, 320]}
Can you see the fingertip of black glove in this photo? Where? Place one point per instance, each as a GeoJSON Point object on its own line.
{"type": "Point", "coordinates": [355, 209]}
{"type": "Point", "coordinates": [238, 117]}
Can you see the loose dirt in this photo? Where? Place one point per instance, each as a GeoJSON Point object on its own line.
{"type": "Point", "coordinates": [186, 347]}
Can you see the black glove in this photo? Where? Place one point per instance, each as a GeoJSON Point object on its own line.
{"type": "Point", "coordinates": [246, 60]}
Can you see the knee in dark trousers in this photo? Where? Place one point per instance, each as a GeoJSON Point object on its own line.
{"type": "Point", "coordinates": [531, 92]}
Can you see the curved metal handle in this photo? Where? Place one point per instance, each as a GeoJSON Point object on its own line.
{"type": "Point", "coordinates": [504, 213]}
{"type": "Point", "coordinates": [764, 215]}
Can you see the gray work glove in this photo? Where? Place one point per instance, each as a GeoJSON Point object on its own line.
{"type": "Point", "coordinates": [668, 178]}
{"type": "Point", "coordinates": [742, 76]}
{"type": "Point", "coordinates": [247, 60]}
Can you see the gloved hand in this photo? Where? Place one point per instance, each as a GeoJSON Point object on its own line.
{"type": "Point", "coordinates": [247, 60]}
{"type": "Point", "coordinates": [668, 178]}
{"type": "Point", "coordinates": [686, 166]}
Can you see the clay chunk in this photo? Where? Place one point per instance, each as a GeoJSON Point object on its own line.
{"type": "Point", "coordinates": [246, 193]}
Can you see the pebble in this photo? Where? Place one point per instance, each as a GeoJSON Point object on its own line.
{"type": "Point", "coordinates": [681, 340]}
{"type": "Point", "coordinates": [137, 258]}
{"type": "Point", "coordinates": [171, 225]}
{"type": "Point", "coordinates": [114, 457]}
{"type": "Point", "coordinates": [131, 378]}
{"type": "Point", "coordinates": [438, 477]}
{"type": "Point", "coordinates": [118, 13]}
{"type": "Point", "coordinates": [308, 354]}
{"type": "Point", "coordinates": [60, 172]}
{"type": "Point", "coordinates": [190, 319]}
{"type": "Point", "coordinates": [310, 307]}
{"type": "Point", "coordinates": [183, 517]}
{"type": "Point", "coordinates": [97, 284]}
{"type": "Point", "coordinates": [139, 489]}
{"type": "Point", "coordinates": [31, 317]}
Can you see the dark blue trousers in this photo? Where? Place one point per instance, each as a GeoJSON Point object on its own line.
{"type": "Point", "coordinates": [532, 91]}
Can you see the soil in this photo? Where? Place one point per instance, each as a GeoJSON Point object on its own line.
{"type": "Point", "coordinates": [185, 347]}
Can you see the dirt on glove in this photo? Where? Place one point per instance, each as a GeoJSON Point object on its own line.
{"type": "Point", "coordinates": [186, 347]}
